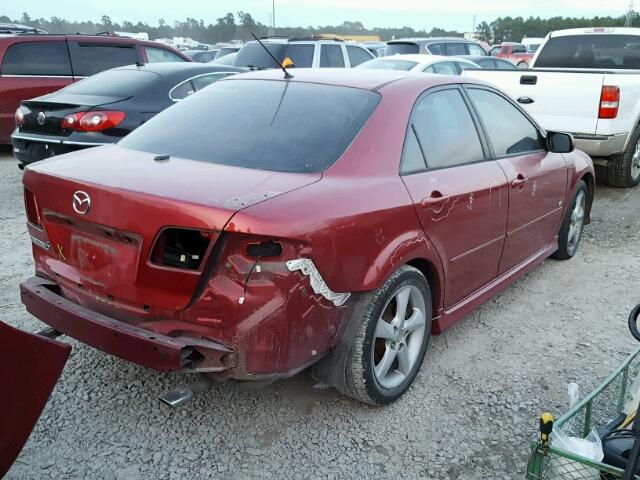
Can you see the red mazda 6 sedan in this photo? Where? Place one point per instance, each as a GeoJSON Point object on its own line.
{"type": "Point", "coordinates": [337, 218]}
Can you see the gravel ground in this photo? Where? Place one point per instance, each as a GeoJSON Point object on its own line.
{"type": "Point", "coordinates": [470, 414]}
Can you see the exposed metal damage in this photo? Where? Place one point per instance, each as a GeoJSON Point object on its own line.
{"type": "Point", "coordinates": [307, 267]}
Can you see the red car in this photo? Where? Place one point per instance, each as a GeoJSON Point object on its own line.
{"type": "Point", "coordinates": [335, 218]}
{"type": "Point", "coordinates": [34, 65]}
{"type": "Point", "coordinates": [514, 52]}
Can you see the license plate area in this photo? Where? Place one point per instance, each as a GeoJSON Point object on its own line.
{"type": "Point", "coordinates": [95, 260]}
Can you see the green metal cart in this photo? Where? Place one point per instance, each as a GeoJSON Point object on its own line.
{"type": "Point", "coordinates": [597, 409]}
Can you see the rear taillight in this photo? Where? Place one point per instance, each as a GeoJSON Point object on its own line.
{"type": "Point", "coordinates": [19, 117]}
{"type": "Point", "coordinates": [31, 207]}
{"type": "Point", "coordinates": [181, 247]}
{"type": "Point", "coordinates": [92, 121]}
{"type": "Point", "coordinates": [609, 102]}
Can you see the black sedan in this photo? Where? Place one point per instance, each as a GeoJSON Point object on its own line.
{"type": "Point", "coordinates": [105, 107]}
{"type": "Point", "coordinates": [490, 62]}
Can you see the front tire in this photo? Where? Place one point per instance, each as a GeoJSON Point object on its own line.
{"type": "Point", "coordinates": [391, 340]}
{"type": "Point", "coordinates": [624, 169]}
{"type": "Point", "coordinates": [573, 223]}
{"type": "Point", "coordinates": [523, 65]}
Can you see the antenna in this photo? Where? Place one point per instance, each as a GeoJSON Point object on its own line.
{"type": "Point", "coordinates": [286, 74]}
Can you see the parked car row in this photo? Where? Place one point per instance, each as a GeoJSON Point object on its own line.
{"type": "Point", "coordinates": [33, 65]}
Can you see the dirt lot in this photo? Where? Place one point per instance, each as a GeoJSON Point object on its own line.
{"type": "Point", "coordinates": [470, 414]}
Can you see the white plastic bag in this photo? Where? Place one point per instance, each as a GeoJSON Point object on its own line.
{"type": "Point", "coordinates": [590, 447]}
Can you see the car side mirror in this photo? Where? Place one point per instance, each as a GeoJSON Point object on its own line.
{"type": "Point", "coordinates": [560, 142]}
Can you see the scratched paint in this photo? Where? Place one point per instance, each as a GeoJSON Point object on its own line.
{"type": "Point", "coordinates": [444, 211]}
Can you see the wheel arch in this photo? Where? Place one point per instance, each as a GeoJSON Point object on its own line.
{"type": "Point", "coordinates": [428, 269]}
{"type": "Point", "coordinates": [589, 179]}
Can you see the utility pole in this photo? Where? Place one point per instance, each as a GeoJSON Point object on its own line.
{"type": "Point", "coordinates": [474, 26]}
{"type": "Point", "coordinates": [630, 13]}
{"type": "Point", "coordinates": [273, 15]}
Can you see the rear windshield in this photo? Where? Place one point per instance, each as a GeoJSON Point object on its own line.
{"type": "Point", "coordinates": [401, 48]}
{"type": "Point", "coordinates": [261, 124]}
{"type": "Point", "coordinates": [388, 64]}
{"type": "Point", "coordinates": [113, 83]}
{"type": "Point", "coordinates": [591, 51]}
{"type": "Point", "coordinates": [254, 55]}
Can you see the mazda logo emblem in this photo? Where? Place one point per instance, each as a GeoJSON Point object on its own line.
{"type": "Point", "coordinates": [81, 202]}
{"type": "Point", "coordinates": [41, 118]}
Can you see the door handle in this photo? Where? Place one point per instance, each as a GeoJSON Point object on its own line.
{"type": "Point", "coordinates": [525, 100]}
{"type": "Point", "coordinates": [519, 181]}
{"type": "Point", "coordinates": [433, 201]}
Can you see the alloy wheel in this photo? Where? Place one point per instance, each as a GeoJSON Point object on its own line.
{"type": "Point", "coordinates": [398, 337]}
{"type": "Point", "coordinates": [576, 223]}
{"type": "Point", "coordinates": [635, 163]}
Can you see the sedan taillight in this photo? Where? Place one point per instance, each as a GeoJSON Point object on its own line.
{"type": "Point", "coordinates": [181, 247]}
{"type": "Point", "coordinates": [609, 102]}
{"type": "Point", "coordinates": [31, 207]}
{"type": "Point", "coordinates": [92, 121]}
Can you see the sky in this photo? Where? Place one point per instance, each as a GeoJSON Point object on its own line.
{"type": "Point", "coordinates": [419, 14]}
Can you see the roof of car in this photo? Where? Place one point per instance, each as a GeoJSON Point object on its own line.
{"type": "Point", "coordinates": [298, 39]}
{"type": "Point", "coordinates": [596, 31]}
{"type": "Point", "coordinates": [431, 40]}
{"type": "Point", "coordinates": [367, 79]}
{"type": "Point", "coordinates": [421, 58]}
{"type": "Point", "coordinates": [188, 68]}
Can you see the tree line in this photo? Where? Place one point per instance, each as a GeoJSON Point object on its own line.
{"type": "Point", "coordinates": [514, 29]}
{"type": "Point", "coordinates": [241, 25]}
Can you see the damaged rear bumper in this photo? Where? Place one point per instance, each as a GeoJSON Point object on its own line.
{"type": "Point", "coordinates": [129, 342]}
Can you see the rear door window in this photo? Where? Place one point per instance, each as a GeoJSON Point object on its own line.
{"type": "Point", "coordinates": [89, 59]}
{"type": "Point", "coordinates": [445, 68]}
{"type": "Point", "coordinates": [156, 55]}
{"type": "Point", "coordinates": [445, 130]}
{"type": "Point", "coordinates": [357, 55]}
{"type": "Point", "coordinates": [202, 81]}
{"type": "Point", "coordinates": [301, 54]}
{"type": "Point", "coordinates": [182, 91]}
{"type": "Point", "coordinates": [331, 56]}
{"type": "Point", "coordinates": [437, 49]}
{"type": "Point", "coordinates": [260, 124]}
{"type": "Point", "coordinates": [456, 49]}
{"type": "Point", "coordinates": [475, 49]}
{"type": "Point", "coordinates": [509, 131]}
{"type": "Point", "coordinates": [37, 58]}
{"type": "Point", "coordinates": [412, 157]}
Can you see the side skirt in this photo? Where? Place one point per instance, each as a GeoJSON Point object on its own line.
{"type": "Point", "coordinates": [501, 283]}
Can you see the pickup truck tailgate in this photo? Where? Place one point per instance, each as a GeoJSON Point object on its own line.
{"type": "Point", "coordinates": [557, 100]}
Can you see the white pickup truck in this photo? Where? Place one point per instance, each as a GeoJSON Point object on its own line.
{"type": "Point", "coordinates": [585, 82]}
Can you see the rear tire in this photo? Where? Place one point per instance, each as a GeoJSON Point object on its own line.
{"type": "Point", "coordinates": [573, 223]}
{"type": "Point", "coordinates": [624, 168]}
{"type": "Point", "coordinates": [391, 339]}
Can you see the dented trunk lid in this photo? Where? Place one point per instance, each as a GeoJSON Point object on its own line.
{"type": "Point", "coordinates": [102, 258]}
